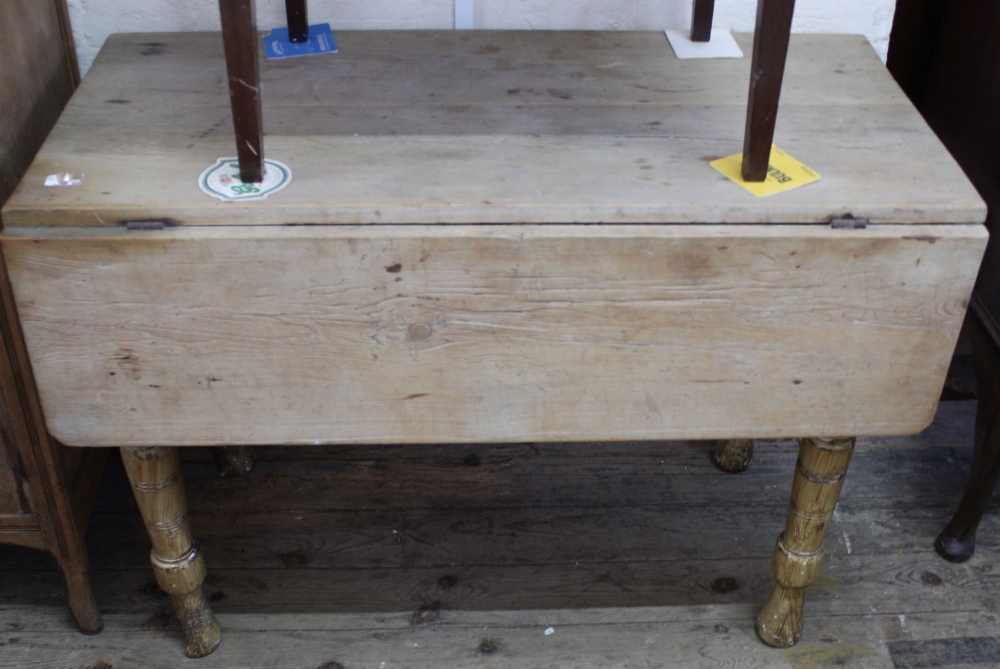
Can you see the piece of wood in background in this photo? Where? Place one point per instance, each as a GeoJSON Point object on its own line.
{"type": "Point", "coordinates": [770, 50]}
{"type": "Point", "coordinates": [239, 35]}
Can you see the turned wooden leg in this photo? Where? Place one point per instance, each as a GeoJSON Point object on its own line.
{"type": "Point", "coordinates": [298, 20]}
{"type": "Point", "coordinates": [178, 566]}
{"type": "Point", "coordinates": [819, 475]}
{"type": "Point", "coordinates": [81, 597]}
{"type": "Point", "coordinates": [767, 69]}
{"type": "Point", "coordinates": [958, 540]}
{"type": "Point", "coordinates": [239, 36]}
{"type": "Point", "coordinates": [733, 455]}
{"type": "Point", "coordinates": [701, 20]}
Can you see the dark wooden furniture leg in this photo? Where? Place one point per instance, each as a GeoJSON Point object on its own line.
{"type": "Point", "coordinates": [298, 20]}
{"type": "Point", "coordinates": [957, 542]}
{"type": "Point", "coordinates": [76, 571]}
{"type": "Point", "coordinates": [239, 35]}
{"type": "Point", "coordinates": [701, 20]}
{"type": "Point", "coordinates": [179, 568]}
{"type": "Point", "coordinates": [733, 455]}
{"type": "Point", "coordinates": [819, 476]}
{"type": "Point", "coordinates": [770, 48]}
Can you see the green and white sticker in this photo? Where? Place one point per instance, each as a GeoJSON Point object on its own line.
{"type": "Point", "coordinates": [222, 180]}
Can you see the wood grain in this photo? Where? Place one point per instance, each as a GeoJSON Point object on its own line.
{"type": "Point", "coordinates": [14, 499]}
{"type": "Point", "coordinates": [453, 334]}
{"type": "Point", "coordinates": [510, 108]}
{"type": "Point", "coordinates": [622, 638]}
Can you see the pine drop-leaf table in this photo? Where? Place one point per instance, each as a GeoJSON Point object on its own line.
{"type": "Point", "coordinates": [488, 237]}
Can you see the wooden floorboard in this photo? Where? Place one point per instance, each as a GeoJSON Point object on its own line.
{"type": "Point", "coordinates": [633, 555]}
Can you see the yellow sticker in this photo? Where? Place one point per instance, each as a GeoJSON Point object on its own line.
{"type": "Point", "coordinates": [783, 173]}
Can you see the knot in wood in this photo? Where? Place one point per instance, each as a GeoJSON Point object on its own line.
{"type": "Point", "coordinates": [419, 332]}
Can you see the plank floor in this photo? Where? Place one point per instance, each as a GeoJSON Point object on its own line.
{"type": "Point", "coordinates": [540, 555]}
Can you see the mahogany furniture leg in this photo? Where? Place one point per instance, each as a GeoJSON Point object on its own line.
{"type": "Point", "coordinates": [733, 455]}
{"type": "Point", "coordinates": [239, 35]}
{"type": "Point", "coordinates": [819, 476]}
{"type": "Point", "coordinates": [767, 69]}
{"type": "Point", "coordinates": [957, 542]}
{"type": "Point", "coordinates": [701, 20]}
{"type": "Point", "coordinates": [177, 563]}
{"type": "Point", "coordinates": [298, 20]}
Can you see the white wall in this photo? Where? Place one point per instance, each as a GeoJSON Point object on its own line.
{"type": "Point", "coordinates": [93, 20]}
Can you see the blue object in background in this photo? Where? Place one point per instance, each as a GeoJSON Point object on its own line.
{"type": "Point", "coordinates": [277, 44]}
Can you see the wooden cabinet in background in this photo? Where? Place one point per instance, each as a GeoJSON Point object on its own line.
{"type": "Point", "coordinates": [46, 489]}
{"type": "Point", "coordinates": [946, 56]}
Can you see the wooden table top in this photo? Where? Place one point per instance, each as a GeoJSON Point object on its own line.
{"type": "Point", "coordinates": [227, 328]}
{"type": "Point", "coordinates": [489, 127]}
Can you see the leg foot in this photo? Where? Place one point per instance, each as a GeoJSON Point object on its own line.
{"type": "Point", "coordinates": [733, 455]}
{"type": "Point", "coordinates": [957, 542]}
{"type": "Point", "coordinates": [783, 613]}
{"type": "Point", "coordinates": [819, 476]}
{"type": "Point", "coordinates": [177, 564]}
{"type": "Point", "coordinates": [234, 461]}
{"type": "Point", "coordinates": [182, 579]}
{"type": "Point", "coordinates": [81, 597]}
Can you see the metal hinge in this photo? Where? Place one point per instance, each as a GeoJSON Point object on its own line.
{"type": "Point", "coordinates": [848, 222]}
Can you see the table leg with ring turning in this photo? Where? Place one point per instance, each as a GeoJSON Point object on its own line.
{"type": "Point", "coordinates": [177, 563]}
{"type": "Point", "coordinates": [819, 476]}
